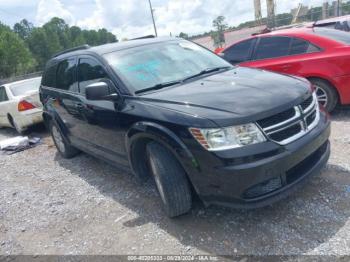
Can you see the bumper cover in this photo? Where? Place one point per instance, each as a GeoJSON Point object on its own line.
{"type": "Point", "coordinates": [253, 184]}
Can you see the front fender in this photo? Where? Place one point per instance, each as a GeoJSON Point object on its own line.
{"type": "Point", "coordinates": [143, 131]}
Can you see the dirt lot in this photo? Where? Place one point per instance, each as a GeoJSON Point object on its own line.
{"type": "Point", "coordinates": [50, 205]}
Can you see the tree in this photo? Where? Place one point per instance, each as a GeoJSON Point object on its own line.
{"type": "Point", "coordinates": [15, 57]}
{"type": "Point", "coordinates": [218, 35]}
{"type": "Point", "coordinates": [23, 28]}
{"type": "Point", "coordinates": [183, 35]}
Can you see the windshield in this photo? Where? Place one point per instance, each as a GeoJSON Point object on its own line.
{"type": "Point", "coordinates": [149, 65]}
{"type": "Point", "coordinates": [336, 35]}
{"type": "Point", "coordinates": [22, 88]}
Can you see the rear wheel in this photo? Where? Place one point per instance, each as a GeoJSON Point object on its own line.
{"type": "Point", "coordinates": [326, 94]}
{"type": "Point", "coordinates": [14, 124]}
{"type": "Point", "coordinates": [171, 180]}
{"type": "Point", "coordinates": [63, 147]}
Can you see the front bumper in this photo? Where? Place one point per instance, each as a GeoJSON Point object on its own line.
{"type": "Point", "coordinates": [261, 174]}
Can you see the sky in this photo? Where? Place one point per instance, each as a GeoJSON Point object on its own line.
{"type": "Point", "coordinates": [132, 18]}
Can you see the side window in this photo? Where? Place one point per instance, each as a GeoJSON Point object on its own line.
{"type": "Point", "coordinates": [270, 47]}
{"type": "Point", "coordinates": [239, 52]}
{"type": "Point", "coordinates": [49, 78]}
{"type": "Point", "coordinates": [89, 72]}
{"type": "Point", "coordinates": [65, 78]}
{"type": "Point", "coordinates": [300, 46]}
{"type": "Point", "coordinates": [3, 95]}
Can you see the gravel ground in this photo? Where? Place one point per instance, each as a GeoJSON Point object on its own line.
{"type": "Point", "coordinates": [50, 205]}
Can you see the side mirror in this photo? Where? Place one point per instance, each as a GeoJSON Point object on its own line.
{"type": "Point", "coordinates": [99, 91]}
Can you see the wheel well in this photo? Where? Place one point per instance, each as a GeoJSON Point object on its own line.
{"type": "Point", "coordinates": [10, 119]}
{"type": "Point", "coordinates": [328, 82]}
{"type": "Point", "coordinates": [138, 156]}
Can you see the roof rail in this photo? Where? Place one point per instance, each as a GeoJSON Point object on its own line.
{"type": "Point", "coordinates": [143, 37]}
{"type": "Point", "coordinates": [82, 47]}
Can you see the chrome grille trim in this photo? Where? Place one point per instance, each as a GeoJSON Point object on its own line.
{"type": "Point", "coordinates": [300, 118]}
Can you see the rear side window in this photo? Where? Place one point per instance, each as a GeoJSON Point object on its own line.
{"type": "Point", "coordinates": [270, 47]}
{"type": "Point", "coordinates": [336, 35]}
{"type": "Point", "coordinates": [49, 78]}
{"type": "Point", "coordinates": [300, 46]}
{"type": "Point", "coordinates": [239, 52]}
{"type": "Point", "coordinates": [65, 78]}
{"type": "Point", "coordinates": [3, 95]}
{"type": "Point", "coordinates": [89, 71]}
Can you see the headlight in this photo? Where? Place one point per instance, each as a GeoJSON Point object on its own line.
{"type": "Point", "coordinates": [228, 137]}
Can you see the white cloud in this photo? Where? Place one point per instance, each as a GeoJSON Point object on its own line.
{"type": "Point", "coordinates": [132, 18]}
{"type": "Point", "coordinates": [48, 9]}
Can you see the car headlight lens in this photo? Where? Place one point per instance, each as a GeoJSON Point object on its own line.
{"type": "Point", "coordinates": [215, 139]}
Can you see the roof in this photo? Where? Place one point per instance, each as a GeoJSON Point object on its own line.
{"type": "Point", "coordinates": [112, 47]}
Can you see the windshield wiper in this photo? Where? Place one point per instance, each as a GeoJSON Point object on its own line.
{"type": "Point", "coordinates": [207, 71]}
{"type": "Point", "coordinates": [158, 86]}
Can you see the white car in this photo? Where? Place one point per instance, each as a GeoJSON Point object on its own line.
{"type": "Point", "coordinates": [20, 106]}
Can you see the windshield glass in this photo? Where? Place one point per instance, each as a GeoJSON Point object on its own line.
{"type": "Point", "coordinates": [22, 88]}
{"type": "Point", "coordinates": [149, 65]}
{"type": "Point", "coordinates": [336, 35]}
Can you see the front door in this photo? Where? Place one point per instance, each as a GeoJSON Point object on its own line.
{"type": "Point", "coordinates": [101, 123]}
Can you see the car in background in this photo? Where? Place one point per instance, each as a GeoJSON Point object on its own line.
{"type": "Point", "coordinates": [20, 106]}
{"type": "Point", "coordinates": [319, 54]}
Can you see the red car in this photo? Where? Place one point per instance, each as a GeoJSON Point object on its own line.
{"type": "Point", "coordinates": [319, 54]}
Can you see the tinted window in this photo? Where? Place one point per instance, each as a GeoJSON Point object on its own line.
{"type": "Point", "coordinates": [49, 78]}
{"type": "Point", "coordinates": [336, 35]}
{"type": "Point", "coordinates": [3, 95]}
{"type": "Point", "coordinates": [89, 71]}
{"type": "Point", "coordinates": [65, 78]}
{"type": "Point", "coordinates": [25, 87]}
{"type": "Point", "coordinates": [300, 46]}
{"type": "Point", "coordinates": [270, 47]}
{"type": "Point", "coordinates": [239, 52]}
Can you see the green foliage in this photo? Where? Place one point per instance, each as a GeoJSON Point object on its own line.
{"type": "Point", "coordinates": [218, 35]}
{"type": "Point", "coordinates": [27, 48]}
{"type": "Point", "coordinates": [15, 58]}
{"type": "Point", "coordinates": [183, 35]}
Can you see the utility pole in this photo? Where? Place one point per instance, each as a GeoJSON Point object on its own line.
{"type": "Point", "coordinates": [154, 23]}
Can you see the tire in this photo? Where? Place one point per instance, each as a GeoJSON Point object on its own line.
{"type": "Point", "coordinates": [171, 180]}
{"type": "Point", "coordinates": [326, 94]}
{"type": "Point", "coordinates": [13, 123]}
{"type": "Point", "coordinates": [62, 145]}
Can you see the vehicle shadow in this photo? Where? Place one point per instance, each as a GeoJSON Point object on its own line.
{"type": "Point", "coordinates": [296, 225]}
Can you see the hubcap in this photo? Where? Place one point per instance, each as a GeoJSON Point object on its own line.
{"type": "Point", "coordinates": [321, 96]}
{"type": "Point", "coordinates": [58, 139]}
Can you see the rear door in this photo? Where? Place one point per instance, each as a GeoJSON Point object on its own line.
{"type": "Point", "coordinates": [63, 99]}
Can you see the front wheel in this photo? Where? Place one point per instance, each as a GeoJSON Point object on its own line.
{"type": "Point", "coordinates": [171, 180]}
{"type": "Point", "coordinates": [63, 147]}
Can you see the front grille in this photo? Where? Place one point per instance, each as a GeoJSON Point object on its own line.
{"type": "Point", "coordinates": [288, 132]}
{"type": "Point", "coordinates": [278, 118]}
{"type": "Point", "coordinates": [291, 124]}
{"type": "Point", "coordinates": [304, 105]}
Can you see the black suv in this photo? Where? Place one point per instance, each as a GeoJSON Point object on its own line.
{"type": "Point", "coordinates": [174, 111]}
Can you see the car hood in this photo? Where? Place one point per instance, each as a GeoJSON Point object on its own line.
{"type": "Point", "coordinates": [238, 95]}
